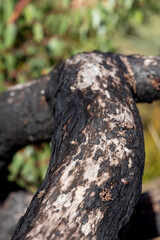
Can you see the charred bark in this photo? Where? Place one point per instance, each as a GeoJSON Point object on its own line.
{"type": "Point", "coordinates": [25, 117]}
{"type": "Point", "coordinates": [94, 177]}
{"type": "Point", "coordinates": [28, 107]}
{"type": "Point", "coordinates": [143, 76]}
{"type": "Point", "coordinates": [144, 224]}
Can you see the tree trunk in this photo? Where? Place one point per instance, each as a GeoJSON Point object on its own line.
{"type": "Point", "coordinates": [144, 223]}
{"type": "Point", "coordinates": [94, 177]}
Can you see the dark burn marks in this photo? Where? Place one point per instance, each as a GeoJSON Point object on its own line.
{"type": "Point", "coordinates": [95, 111]}
{"type": "Point", "coordinates": [80, 155]}
{"type": "Point", "coordinates": [104, 167]}
{"type": "Point", "coordinates": [106, 66]}
{"type": "Point", "coordinates": [81, 138]}
{"type": "Point", "coordinates": [145, 77]}
{"type": "Point", "coordinates": [112, 147]}
{"type": "Point", "coordinates": [131, 138]}
{"type": "Point", "coordinates": [98, 154]}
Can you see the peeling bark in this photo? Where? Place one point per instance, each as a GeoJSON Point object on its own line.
{"type": "Point", "coordinates": [94, 177]}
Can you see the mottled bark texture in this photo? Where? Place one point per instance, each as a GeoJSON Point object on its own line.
{"type": "Point", "coordinates": [144, 77]}
{"type": "Point", "coordinates": [144, 223]}
{"type": "Point", "coordinates": [94, 177]}
{"type": "Point", "coordinates": [29, 118]}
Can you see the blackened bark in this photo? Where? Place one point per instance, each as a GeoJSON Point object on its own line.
{"type": "Point", "coordinates": [144, 224]}
{"type": "Point", "coordinates": [25, 117]}
{"type": "Point", "coordinates": [143, 76]}
{"type": "Point", "coordinates": [29, 118]}
{"type": "Point", "coordinates": [94, 177]}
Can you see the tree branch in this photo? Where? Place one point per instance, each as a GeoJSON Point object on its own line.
{"type": "Point", "coordinates": [143, 74]}
{"type": "Point", "coordinates": [144, 223]}
{"type": "Point", "coordinates": [26, 117]}
{"type": "Point", "coordinates": [94, 177]}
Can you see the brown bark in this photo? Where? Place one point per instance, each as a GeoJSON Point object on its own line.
{"type": "Point", "coordinates": [94, 177]}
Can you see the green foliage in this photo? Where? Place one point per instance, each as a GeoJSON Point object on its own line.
{"type": "Point", "coordinates": [28, 167]}
{"type": "Point", "coordinates": [150, 114]}
{"type": "Point", "coordinates": [47, 32]}
{"type": "Point", "coordinates": [152, 165]}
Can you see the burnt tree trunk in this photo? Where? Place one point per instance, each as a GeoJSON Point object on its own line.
{"type": "Point", "coordinates": [25, 118]}
{"type": "Point", "coordinates": [94, 177]}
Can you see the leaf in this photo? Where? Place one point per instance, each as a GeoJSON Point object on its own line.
{"type": "Point", "coordinates": [96, 18]}
{"type": "Point", "coordinates": [10, 35]}
{"type": "Point", "coordinates": [37, 32]}
{"type": "Point", "coordinates": [56, 46]}
{"type": "Point", "coordinates": [10, 61]}
{"type": "Point", "coordinates": [29, 13]}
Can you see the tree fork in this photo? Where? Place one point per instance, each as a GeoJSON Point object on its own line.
{"type": "Point", "coordinates": [30, 119]}
{"type": "Point", "coordinates": [93, 181]}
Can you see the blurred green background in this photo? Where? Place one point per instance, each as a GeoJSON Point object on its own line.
{"type": "Point", "coordinates": [37, 35]}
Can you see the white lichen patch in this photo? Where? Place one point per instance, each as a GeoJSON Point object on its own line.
{"type": "Point", "coordinates": [42, 91]}
{"type": "Point", "coordinates": [149, 61]}
{"type": "Point", "coordinates": [130, 162]}
{"type": "Point", "coordinates": [92, 222]}
{"type": "Point", "coordinates": [66, 179]}
{"type": "Point", "coordinates": [116, 156]}
{"type": "Point", "coordinates": [63, 200]}
{"type": "Point", "coordinates": [124, 116]}
{"type": "Point", "coordinates": [125, 180]}
{"type": "Point", "coordinates": [12, 93]}
{"type": "Point", "coordinates": [91, 170]}
{"type": "Point", "coordinates": [107, 94]}
{"type": "Point", "coordinates": [87, 76]}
